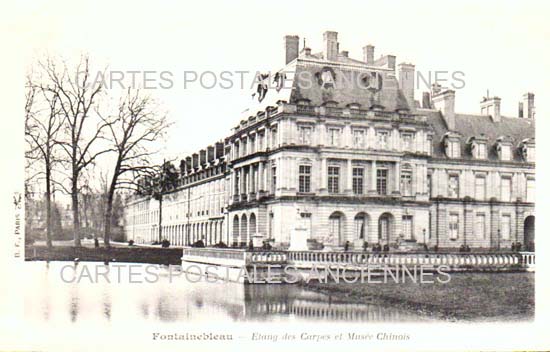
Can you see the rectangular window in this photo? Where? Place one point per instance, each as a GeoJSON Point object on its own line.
{"type": "Point", "coordinates": [358, 138]}
{"type": "Point", "coordinates": [407, 223]}
{"type": "Point", "coordinates": [530, 190]}
{"type": "Point", "coordinates": [505, 152]}
{"type": "Point", "coordinates": [531, 155]}
{"type": "Point", "coordinates": [480, 226]}
{"type": "Point", "coordinates": [333, 179]}
{"type": "Point", "coordinates": [382, 139]}
{"type": "Point", "coordinates": [246, 181]}
{"type": "Point", "coordinates": [334, 136]}
{"type": "Point", "coordinates": [305, 134]}
{"type": "Point", "coordinates": [253, 175]}
{"type": "Point", "coordinates": [453, 226]}
{"type": "Point", "coordinates": [453, 186]}
{"type": "Point", "coordinates": [260, 142]}
{"type": "Point", "coordinates": [252, 145]}
{"type": "Point", "coordinates": [505, 228]}
{"type": "Point", "coordinates": [480, 151]}
{"type": "Point", "coordinates": [429, 140]}
{"type": "Point", "coordinates": [274, 138]}
{"type": "Point", "coordinates": [408, 141]}
{"type": "Point", "coordinates": [382, 181]}
{"type": "Point", "coordinates": [304, 179]}
{"type": "Point", "coordinates": [243, 148]}
{"type": "Point", "coordinates": [357, 182]}
{"type": "Point", "coordinates": [237, 182]}
{"type": "Point", "coordinates": [430, 182]}
{"type": "Point", "coordinates": [505, 189]}
{"type": "Point", "coordinates": [237, 152]}
{"type": "Point", "coordinates": [406, 182]}
{"type": "Point", "coordinates": [454, 149]}
{"type": "Point", "coordinates": [480, 188]}
{"type": "Point", "coordinates": [273, 179]}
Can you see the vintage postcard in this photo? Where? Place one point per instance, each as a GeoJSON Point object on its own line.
{"type": "Point", "coordinates": [275, 176]}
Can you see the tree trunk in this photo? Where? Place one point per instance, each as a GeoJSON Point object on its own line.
{"type": "Point", "coordinates": [108, 212]}
{"type": "Point", "coordinates": [76, 222]}
{"type": "Point", "coordinates": [109, 205]}
{"type": "Point", "coordinates": [48, 207]}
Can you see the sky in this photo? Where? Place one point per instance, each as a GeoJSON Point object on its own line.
{"type": "Point", "coordinates": [497, 46]}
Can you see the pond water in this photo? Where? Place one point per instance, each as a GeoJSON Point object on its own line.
{"type": "Point", "coordinates": [60, 292]}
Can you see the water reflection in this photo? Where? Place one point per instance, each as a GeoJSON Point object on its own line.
{"type": "Point", "coordinates": [48, 298]}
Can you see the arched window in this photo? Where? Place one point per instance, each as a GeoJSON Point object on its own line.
{"type": "Point", "coordinates": [244, 230]}
{"type": "Point", "coordinates": [336, 228]}
{"type": "Point", "coordinates": [252, 224]}
{"type": "Point", "coordinates": [385, 227]}
{"type": "Point", "coordinates": [361, 226]}
{"type": "Point", "coordinates": [236, 229]}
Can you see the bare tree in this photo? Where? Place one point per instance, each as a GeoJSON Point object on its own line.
{"type": "Point", "coordinates": [78, 93]}
{"type": "Point", "coordinates": [136, 125]}
{"type": "Point", "coordinates": [42, 127]}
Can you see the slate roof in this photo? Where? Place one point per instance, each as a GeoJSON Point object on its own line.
{"type": "Point", "coordinates": [302, 84]}
{"type": "Point", "coordinates": [468, 126]}
{"type": "Point", "coordinates": [348, 88]}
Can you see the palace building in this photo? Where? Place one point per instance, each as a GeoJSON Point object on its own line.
{"type": "Point", "coordinates": [338, 150]}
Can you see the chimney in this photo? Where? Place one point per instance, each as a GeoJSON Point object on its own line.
{"type": "Point", "coordinates": [183, 167]}
{"type": "Point", "coordinates": [426, 100]}
{"type": "Point", "coordinates": [330, 45]}
{"type": "Point", "coordinates": [307, 51]}
{"type": "Point", "coordinates": [368, 54]}
{"type": "Point", "coordinates": [491, 107]}
{"type": "Point", "coordinates": [202, 157]}
{"type": "Point", "coordinates": [529, 105]}
{"type": "Point", "coordinates": [345, 53]}
{"type": "Point", "coordinates": [219, 150]}
{"type": "Point", "coordinates": [210, 153]}
{"type": "Point", "coordinates": [444, 101]}
{"type": "Point", "coordinates": [292, 44]}
{"type": "Point", "coordinates": [520, 109]}
{"type": "Point", "coordinates": [406, 82]}
{"type": "Point", "coordinates": [387, 61]}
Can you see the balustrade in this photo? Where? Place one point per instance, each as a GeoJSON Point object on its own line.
{"type": "Point", "coordinates": [450, 259]}
{"type": "Point", "coordinates": [307, 258]}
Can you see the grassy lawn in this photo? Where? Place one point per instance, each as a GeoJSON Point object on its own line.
{"type": "Point", "coordinates": [468, 296]}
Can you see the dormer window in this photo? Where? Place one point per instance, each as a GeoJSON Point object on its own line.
{"type": "Point", "coordinates": [429, 142]}
{"type": "Point", "coordinates": [504, 148]}
{"type": "Point", "coordinates": [478, 147]}
{"type": "Point", "coordinates": [505, 152]}
{"type": "Point", "coordinates": [527, 150]}
{"type": "Point", "coordinates": [451, 143]}
{"type": "Point", "coordinates": [530, 154]}
{"type": "Point", "coordinates": [480, 151]}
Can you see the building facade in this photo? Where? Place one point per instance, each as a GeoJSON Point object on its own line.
{"type": "Point", "coordinates": [339, 149]}
{"type": "Point", "coordinates": [193, 209]}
